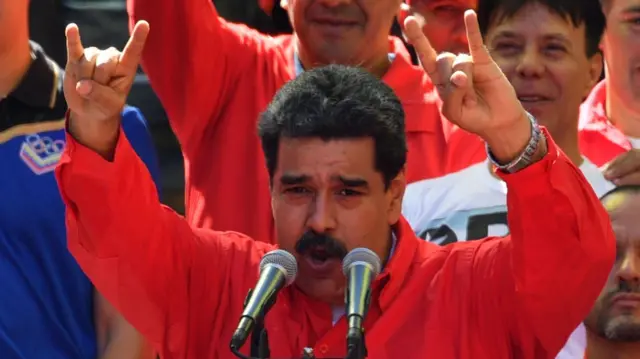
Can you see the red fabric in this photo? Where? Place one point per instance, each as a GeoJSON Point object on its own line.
{"type": "Point", "coordinates": [463, 149]}
{"type": "Point", "coordinates": [519, 296]}
{"type": "Point", "coordinates": [266, 5]}
{"type": "Point", "coordinates": [214, 78]}
{"type": "Point", "coordinates": [600, 140]}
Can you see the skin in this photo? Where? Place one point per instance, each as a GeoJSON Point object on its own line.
{"type": "Point", "coordinates": [15, 54]}
{"type": "Point", "coordinates": [356, 214]}
{"type": "Point", "coordinates": [544, 55]}
{"type": "Point", "coordinates": [613, 328]}
{"type": "Point", "coordinates": [442, 22]}
{"type": "Point", "coordinates": [361, 39]}
{"type": "Point", "coordinates": [621, 47]}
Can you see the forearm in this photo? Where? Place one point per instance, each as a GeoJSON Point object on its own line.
{"type": "Point", "coordinates": [562, 246]}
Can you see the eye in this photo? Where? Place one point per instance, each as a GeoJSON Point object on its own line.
{"type": "Point", "coordinates": [555, 48]}
{"type": "Point", "coordinates": [348, 192]}
{"type": "Point", "coordinates": [506, 48]}
{"type": "Point", "coordinates": [296, 190]}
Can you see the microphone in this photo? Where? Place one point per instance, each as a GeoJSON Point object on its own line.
{"type": "Point", "coordinates": [278, 269]}
{"type": "Point", "coordinates": [361, 266]}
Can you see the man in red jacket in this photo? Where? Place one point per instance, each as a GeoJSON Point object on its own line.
{"type": "Point", "coordinates": [335, 150]}
{"type": "Point", "coordinates": [213, 99]}
{"type": "Point", "coordinates": [610, 116]}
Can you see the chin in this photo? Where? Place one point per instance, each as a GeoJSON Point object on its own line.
{"type": "Point", "coordinates": [322, 291]}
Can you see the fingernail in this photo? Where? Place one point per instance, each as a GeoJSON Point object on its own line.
{"type": "Point", "coordinates": [83, 87]}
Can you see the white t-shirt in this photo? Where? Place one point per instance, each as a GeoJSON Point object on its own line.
{"type": "Point", "coordinates": [635, 142]}
{"type": "Point", "coordinates": [472, 204]}
{"type": "Point", "coordinates": [469, 204]}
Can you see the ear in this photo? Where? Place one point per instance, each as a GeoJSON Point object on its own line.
{"type": "Point", "coordinates": [395, 193]}
{"type": "Point", "coordinates": [595, 71]}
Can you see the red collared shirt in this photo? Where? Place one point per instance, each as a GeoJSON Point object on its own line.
{"type": "Point", "coordinates": [600, 140]}
{"type": "Point", "coordinates": [518, 296]}
{"type": "Point", "coordinates": [214, 100]}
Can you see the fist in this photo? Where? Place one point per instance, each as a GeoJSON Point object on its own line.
{"type": "Point", "coordinates": [97, 82]}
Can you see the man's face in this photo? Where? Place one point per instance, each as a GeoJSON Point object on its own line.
{"type": "Point", "coordinates": [327, 199]}
{"type": "Point", "coordinates": [544, 57]}
{"type": "Point", "coordinates": [621, 46]}
{"type": "Point", "coordinates": [444, 23]}
{"type": "Point", "coordinates": [346, 32]}
{"type": "Point", "coordinates": [616, 313]}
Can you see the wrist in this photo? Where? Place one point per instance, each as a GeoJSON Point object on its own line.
{"type": "Point", "coordinates": [99, 136]}
{"type": "Point", "coordinates": [507, 144]}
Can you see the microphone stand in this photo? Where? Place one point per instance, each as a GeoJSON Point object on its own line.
{"type": "Point", "coordinates": [259, 336]}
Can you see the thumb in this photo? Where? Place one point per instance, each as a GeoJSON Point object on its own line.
{"type": "Point", "coordinates": [104, 97]}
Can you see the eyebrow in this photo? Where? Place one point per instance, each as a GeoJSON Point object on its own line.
{"type": "Point", "coordinates": [352, 182]}
{"type": "Point", "coordinates": [552, 36]}
{"type": "Point", "coordinates": [634, 10]}
{"type": "Point", "coordinates": [293, 179]}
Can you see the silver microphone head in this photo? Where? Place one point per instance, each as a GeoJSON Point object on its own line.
{"type": "Point", "coordinates": [361, 256]}
{"type": "Point", "coordinates": [284, 261]}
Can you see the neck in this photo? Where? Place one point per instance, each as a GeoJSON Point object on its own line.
{"type": "Point", "coordinates": [14, 61]}
{"type": "Point", "coordinates": [377, 65]}
{"type": "Point", "coordinates": [622, 115]}
{"type": "Point", "coordinates": [601, 348]}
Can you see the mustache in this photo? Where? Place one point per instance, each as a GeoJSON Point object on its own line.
{"type": "Point", "coordinates": [624, 287]}
{"type": "Point", "coordinates": [332, 247]}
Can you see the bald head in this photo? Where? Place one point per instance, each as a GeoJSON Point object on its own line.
{"type": "Point", "coordinates": [616, 313]}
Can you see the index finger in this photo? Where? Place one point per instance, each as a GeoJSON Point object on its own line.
{"type": "Point", "coordinates": [425, 51]}
{"type": "Point", "coordinates": [477, 50]}
{"type": "Point", "coordinates": [132, 52]}
{"type": "Point", "coordinates": [75, 50]}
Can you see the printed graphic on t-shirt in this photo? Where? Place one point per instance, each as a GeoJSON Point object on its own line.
{"type": "Point", "coordinates": [467, 225]}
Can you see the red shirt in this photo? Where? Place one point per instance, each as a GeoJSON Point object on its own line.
{"type": "Point", "coordinates": [600, 140]}
{"type": "Point", "coordinates": [183, 288]}
{"type": "Point", "coordinates": [214, 78]}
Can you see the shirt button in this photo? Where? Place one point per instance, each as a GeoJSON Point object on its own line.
{"type": "Point", "coordinates": [323, 348]}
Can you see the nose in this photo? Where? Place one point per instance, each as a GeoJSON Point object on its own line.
{"type": "Point", "coordinates": [531, 64]}
{"type": "Point", "coordinates": [322, 214]}
{"type": "Point", "coordinates": [628, 270]}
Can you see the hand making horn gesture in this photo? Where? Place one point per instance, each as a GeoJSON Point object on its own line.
{"type": "Point", "coordinates": [475, 93]}
{"type": "Point", "coordinates": [97, 82]}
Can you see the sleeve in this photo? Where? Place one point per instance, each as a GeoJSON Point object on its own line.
{"type": "Point", "coordinates": [193, 59]}
{"type": "Point", "coordinates": [542, 280]}
{"type": "Point", "coordinates": [136, 130]}
{"type": "Point", "coordinates": [143, 257]}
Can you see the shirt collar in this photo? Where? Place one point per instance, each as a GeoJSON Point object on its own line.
{"type": "Point", "coordinates": [41, 86]}
{"type": "Point", "coordinates": [594, 119]}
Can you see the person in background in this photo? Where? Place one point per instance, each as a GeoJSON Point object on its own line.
{"type": "Point", "coordinates": [49, 308]}
{"type": "Point", "coordinates": [610, 116]}
{"type": "Point", "coordinates": [549, 52]}
{"type": "Point", "coordinates": [213, 102]}
{"type": "Point", "coordinates": [613, 325]}
{"type": "Point", "coordinates": [442, 22]}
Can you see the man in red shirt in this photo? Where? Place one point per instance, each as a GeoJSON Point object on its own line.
{"type": "Point", "coordinates": [335, 150]}
{"type": "Point", "coordinates": [214, 99]}
{"type": "Point", "coordinates": [610, 116]}
{"type": "Point", "coordinates": [613, 326]}
{"type": "Point", "coordinates": [549, 52]}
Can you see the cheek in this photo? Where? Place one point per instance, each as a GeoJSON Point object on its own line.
{"type": "Point", "coordinates": [289, 223]}
{"type": "Point", "coordinates": [509, 66]}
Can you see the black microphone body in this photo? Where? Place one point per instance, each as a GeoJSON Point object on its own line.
{"type": "Point", "coordinates": [361, 266]}
{"type": "Point", "coordinates": [277, 269]}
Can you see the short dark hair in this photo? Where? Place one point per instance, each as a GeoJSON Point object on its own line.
{"type": "Point", "coordinates": [587, 12]}
{"type": "Point", "coordinates": [337, 102]}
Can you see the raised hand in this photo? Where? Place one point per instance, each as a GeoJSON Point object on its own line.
{"type": "Point", "coordinates": [97, 82]}
{"type": "Point", "coordinates": [475, 93]}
